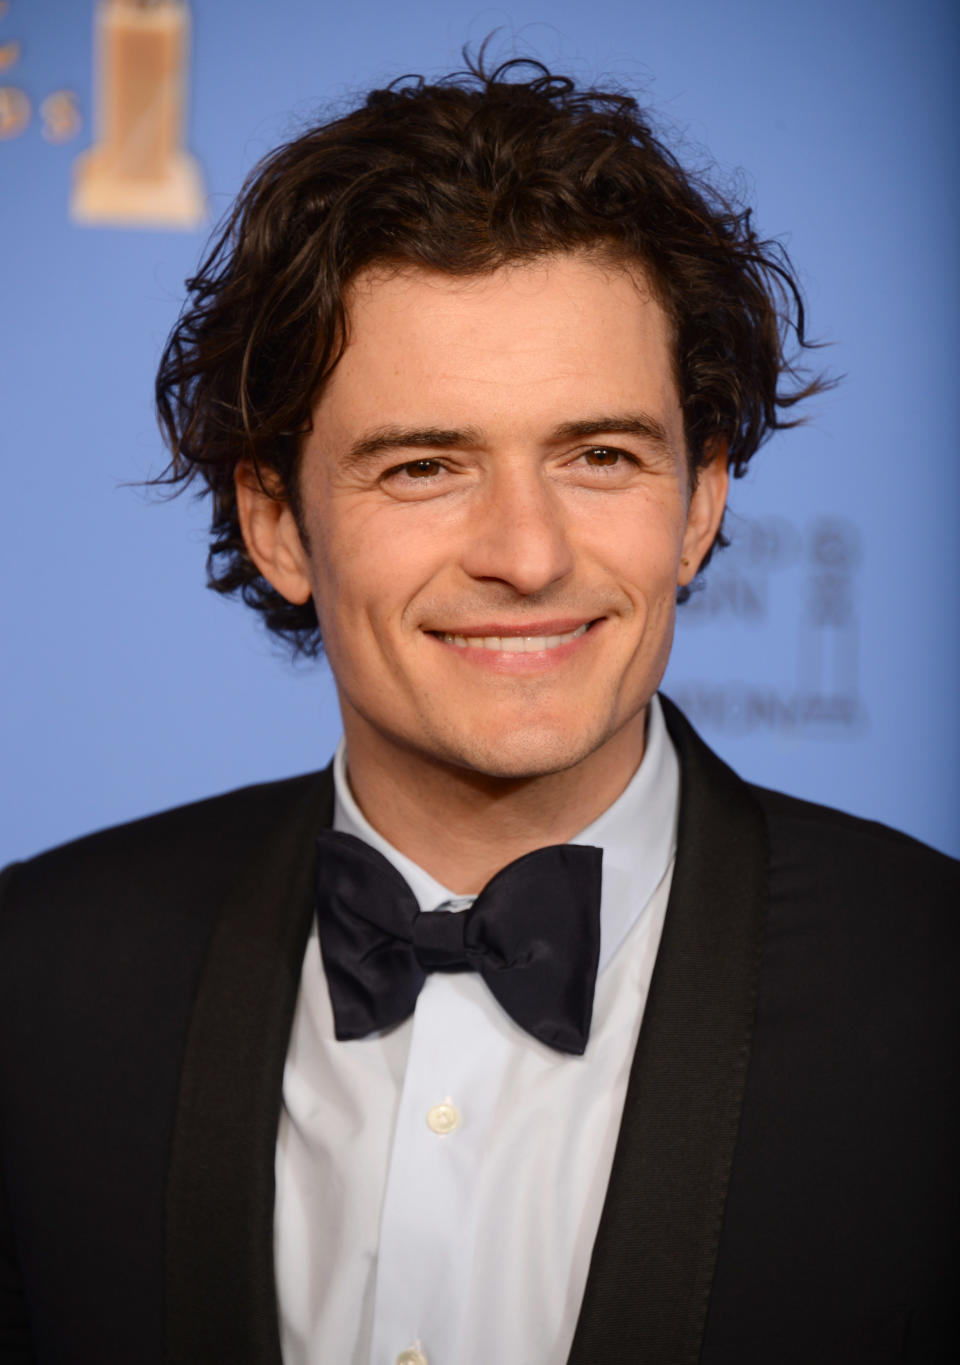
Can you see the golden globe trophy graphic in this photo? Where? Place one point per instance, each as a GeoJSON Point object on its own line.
{"type": "Point", "coordinates": [138, 173]}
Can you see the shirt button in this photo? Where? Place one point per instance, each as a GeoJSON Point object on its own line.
{"type": "Point", "coordinates": [412, 1357]}
{"type": "Point", "coordinates": [442, 1119]}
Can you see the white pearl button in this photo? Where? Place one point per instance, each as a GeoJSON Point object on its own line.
{"type": "Point", "coordinates": [412, 1357]}
{"type": "Point", "coordinates": [443, 1118]}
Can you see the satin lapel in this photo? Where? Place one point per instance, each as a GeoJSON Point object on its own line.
{"type": "Point", "coordinates": [220, 1301]}
{"type": "Point", "coordinates": [654, 1256]}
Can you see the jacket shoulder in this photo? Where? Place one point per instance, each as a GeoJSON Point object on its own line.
{"type": "Point", "coordinates": [814, 848]}
{"type": "Point", "coordinates": [874, 847]}
{"type": "Point", "coordinates": [869, 902]}
{"type": "Point", "coordinates": [182, 857]}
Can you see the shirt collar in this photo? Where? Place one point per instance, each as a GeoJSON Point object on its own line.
{"type": "Point", "coordinates": [638, 835]}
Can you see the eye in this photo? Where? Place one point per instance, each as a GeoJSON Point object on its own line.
{"type": "Point", "coordinates": [426, 478]}
{"type": "Point", "coordinates": [608, 457]}
{"type": "Point", "coordinates": [420, 469]}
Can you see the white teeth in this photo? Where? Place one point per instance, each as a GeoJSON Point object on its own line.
{"type": "Point", "coordinates": [513, 644]}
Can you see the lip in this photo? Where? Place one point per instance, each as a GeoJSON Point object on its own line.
{"type": "Point", "coordinates": [530, 661]}
{"type": "Point", "coordinates": [559, 625]}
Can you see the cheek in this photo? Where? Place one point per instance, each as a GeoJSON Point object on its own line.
{"type": "Point", "coordinates": [337, 586]}
{"type": "Point", "coordinates": [644, 554]}
{"type": "Point", "coordinates": [367, 568]}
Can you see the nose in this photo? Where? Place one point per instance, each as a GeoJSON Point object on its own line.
{"type": "Point", "coordinates": [518, 532]}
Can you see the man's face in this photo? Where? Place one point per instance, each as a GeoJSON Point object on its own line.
{"type": "Point", "coordinates": [496, 503]}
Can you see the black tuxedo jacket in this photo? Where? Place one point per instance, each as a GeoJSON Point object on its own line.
{"type": "Point", "coordinates": [785, 1187]}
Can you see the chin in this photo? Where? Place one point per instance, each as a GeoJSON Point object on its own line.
{"type": "Point", "coordinates": [520, 755]}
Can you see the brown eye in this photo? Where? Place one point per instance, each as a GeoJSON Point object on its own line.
{"type": "Point", "coordinates": [421, 469]}
{"type": "Point", "coordinates": [603, 456]}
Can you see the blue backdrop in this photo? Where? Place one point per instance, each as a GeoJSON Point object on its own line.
{"type": "Point", "coordinates": [822, 658]}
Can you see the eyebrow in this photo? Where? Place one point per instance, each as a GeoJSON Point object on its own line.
{"type": "Point", "coordinates": [388, 437]}
{"type": "Point", "coordinates": [411, 438]}
{"type": "Point", "coordinates": [619, 424]}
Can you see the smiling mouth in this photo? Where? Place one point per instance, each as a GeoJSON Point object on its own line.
{"type": "Point", "coordinates": [514, 644]}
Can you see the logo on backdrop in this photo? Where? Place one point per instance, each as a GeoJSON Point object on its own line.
{"type": "Point", "coordinates": [138, 174]}
{"type": "Point", "coordinates": [59, 116]}
{"type": "Point", "coordinates": [785, 593]}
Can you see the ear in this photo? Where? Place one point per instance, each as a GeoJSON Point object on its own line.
{"type": "Point", "coordinates": [705, 513]}
{"type": "Point", "coordinates": [271, 534]}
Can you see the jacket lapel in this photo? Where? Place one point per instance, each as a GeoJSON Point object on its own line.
{"type": "Point", "coordinates": [220, 1299]}
{"type": "Point", "coordinates": [654, 1256]}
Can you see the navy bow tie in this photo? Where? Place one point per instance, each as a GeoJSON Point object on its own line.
{"type": "Point", "coordinates": [533, 934]}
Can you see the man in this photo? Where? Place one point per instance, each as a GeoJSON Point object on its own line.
{"type": "Point", "coordinates": [529, 1032]}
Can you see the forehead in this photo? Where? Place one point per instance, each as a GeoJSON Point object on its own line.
{"type": "Point", "coordinates": [527, 342]}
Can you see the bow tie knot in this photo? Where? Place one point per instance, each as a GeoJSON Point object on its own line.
{"type": "Point", "coordinates": [438, 941]}
{"type": "Point", "coordinates": [533, 934]}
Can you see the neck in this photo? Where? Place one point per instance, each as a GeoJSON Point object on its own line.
{"type": "Point", "coordinates": [463, 826]}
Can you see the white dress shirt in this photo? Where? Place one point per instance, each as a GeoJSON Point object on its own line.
{"type": "Point", "coordinates": [439, 1185]}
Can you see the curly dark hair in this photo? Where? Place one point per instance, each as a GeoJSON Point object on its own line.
{"type": "Point", "coordinates": [463, 175]}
